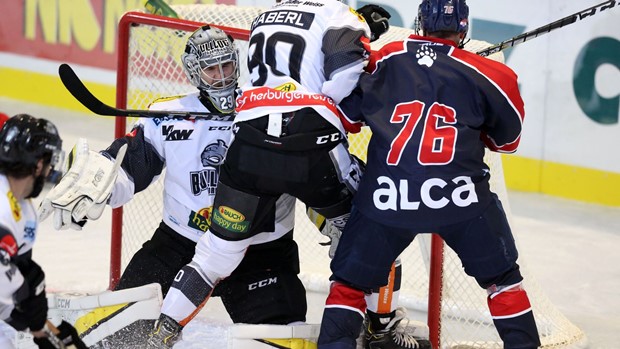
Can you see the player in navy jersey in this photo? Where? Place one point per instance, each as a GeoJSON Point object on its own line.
{"type": "Point", "coordinates": [433, 109]}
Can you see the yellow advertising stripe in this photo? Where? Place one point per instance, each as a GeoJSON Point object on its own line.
{"type": "Point", "coordinates": [525, 174]}
{"type": "Point", "coordinates": [567, 181]}
{"type": "Point", "coordinates": [98, 316]}
{"type": "Point", "coordinates": [48, 89]}
{"type": "Point", "coordinates": [289, 343]}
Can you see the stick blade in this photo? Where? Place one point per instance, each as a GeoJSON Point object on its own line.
{"type": "Point", "coordinates": [76, 87]}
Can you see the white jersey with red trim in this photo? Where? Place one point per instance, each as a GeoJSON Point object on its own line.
{"type": "Point", "coordinates": [191, 151]}
{"type": "Point", "coordinates": [18, 229]}
{"type": "Point", "coordinates": [303, 54]}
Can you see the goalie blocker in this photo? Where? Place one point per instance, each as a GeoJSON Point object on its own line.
{"type": "Point", "coordinates": [112, 319]}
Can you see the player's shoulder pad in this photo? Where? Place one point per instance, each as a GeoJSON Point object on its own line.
{"type": "Point", "coordinates": [162, 103]}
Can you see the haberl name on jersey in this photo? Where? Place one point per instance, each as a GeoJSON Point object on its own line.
{"type": "Point", "coordinates": [295, 19]}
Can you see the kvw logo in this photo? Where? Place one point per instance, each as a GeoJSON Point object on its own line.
{"type": "Point", "coordinates": [175, 135]}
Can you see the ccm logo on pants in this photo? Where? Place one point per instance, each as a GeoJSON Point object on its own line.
{"type": "Point", "coordinates": [262, 283]}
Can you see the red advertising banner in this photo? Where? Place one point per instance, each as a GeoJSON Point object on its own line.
{"type": "Point", "coordinates": [73, 31]}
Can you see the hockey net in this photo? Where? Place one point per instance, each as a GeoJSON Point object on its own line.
{"type": "Point", "coordinates": [149, 67]}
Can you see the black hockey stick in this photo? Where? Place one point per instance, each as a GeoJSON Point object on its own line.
{"type": "Point", "coordinates": [77, 88]}
{"type": "Point", "coordinates": [589, 12]}
{"type": "Point", "coordinates": [54, 333]}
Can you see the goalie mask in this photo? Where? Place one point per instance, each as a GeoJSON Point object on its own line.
{"type": "Point", "coordinates": [442, 15]}
{"type": "Point", "coordinates": [24, 140]}
{"type": "Point", "coordinates": [211, 64]}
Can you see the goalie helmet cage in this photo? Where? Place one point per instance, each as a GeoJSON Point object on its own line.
{"type": "Point", "coordinates": [434, 284]}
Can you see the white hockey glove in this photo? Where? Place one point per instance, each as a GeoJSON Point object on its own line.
{"type": "Point", "coordinates": [327, 229]}
{"type": "Point", "coordinates": [83, 191]}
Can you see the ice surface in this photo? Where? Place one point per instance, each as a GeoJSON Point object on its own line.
{"type": "Point", "coordinates": [570, 247]}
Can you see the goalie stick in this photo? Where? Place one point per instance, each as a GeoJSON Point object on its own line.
{"type": "Point", "coordinates": [77, 88]}
{"type": "Point", "coordinates": [589, 12]}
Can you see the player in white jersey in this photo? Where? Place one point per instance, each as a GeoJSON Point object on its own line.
{"type": "Point", "coordinates": [192, 152]}
{"type": "Point", "coordinates": [304, 58]}
{"type": "Point", "coordinates": [30, 150]}
{"type": "Point", "coordinates": [316, 48]}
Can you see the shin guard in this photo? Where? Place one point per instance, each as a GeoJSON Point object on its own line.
{"type": "Point", "coordinates": [342, 317]}
{"type": "Point", "coordinates": [512, 315]}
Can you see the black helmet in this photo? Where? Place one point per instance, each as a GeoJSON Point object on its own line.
{"type": "Point", "coordinates": [24, 140]}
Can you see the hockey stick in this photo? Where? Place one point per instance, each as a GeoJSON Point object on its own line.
{"type": "Point", "coordinates": [52, 335]}
{"type": "Point", "coordinates": [77, 88]}
{"type": "Point", "coordinates": [589, 12]}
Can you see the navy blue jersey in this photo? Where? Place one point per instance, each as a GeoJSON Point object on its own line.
{"type": "Point", "coordinates": [432, 108]}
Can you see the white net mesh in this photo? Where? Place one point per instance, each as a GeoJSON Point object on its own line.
{"type": "Point", "coordinates": [154, 70]}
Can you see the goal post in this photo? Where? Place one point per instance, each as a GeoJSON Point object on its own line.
{"type": "Point", "coordinates": [434, 287]}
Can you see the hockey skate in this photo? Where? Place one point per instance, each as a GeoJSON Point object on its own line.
{"type": "Point", "coordinates": [396, 335]}
{"type": "Point", "coordinates": [166, 333]}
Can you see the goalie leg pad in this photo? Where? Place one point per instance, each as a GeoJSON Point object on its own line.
{"type": "Point", "coordinates": [108, 315]}
{"type": "Point", "coordinates": [298, 336]}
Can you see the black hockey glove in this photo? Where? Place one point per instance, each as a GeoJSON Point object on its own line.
{"type": "Point", "coordinates": [377, 19]}
{"type": "Point", "coordinates": [67, 335]}
{"type": "Point", "coordinates": [30, 301]}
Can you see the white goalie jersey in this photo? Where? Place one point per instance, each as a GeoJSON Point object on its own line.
{"type": "Point", "coordinates": [191, 151]}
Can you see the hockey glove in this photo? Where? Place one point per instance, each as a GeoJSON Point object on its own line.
{"type": "Point", "coordinates": [30, 301]}
{"type": "Point", "coordinates": [327, 229]}
{"type": "Point", "coordinates": [377, 19]}
{"type": "Point", "coordinates": [84, 190]}
{"type": "Point", "coordinates": [60, 337]}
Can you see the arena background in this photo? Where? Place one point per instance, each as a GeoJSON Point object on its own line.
{"type": "Point", "coordinates": [570, 78]}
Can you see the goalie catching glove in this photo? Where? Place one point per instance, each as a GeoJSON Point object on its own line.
{"type": "Point", "coordinates": [84, 190]}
